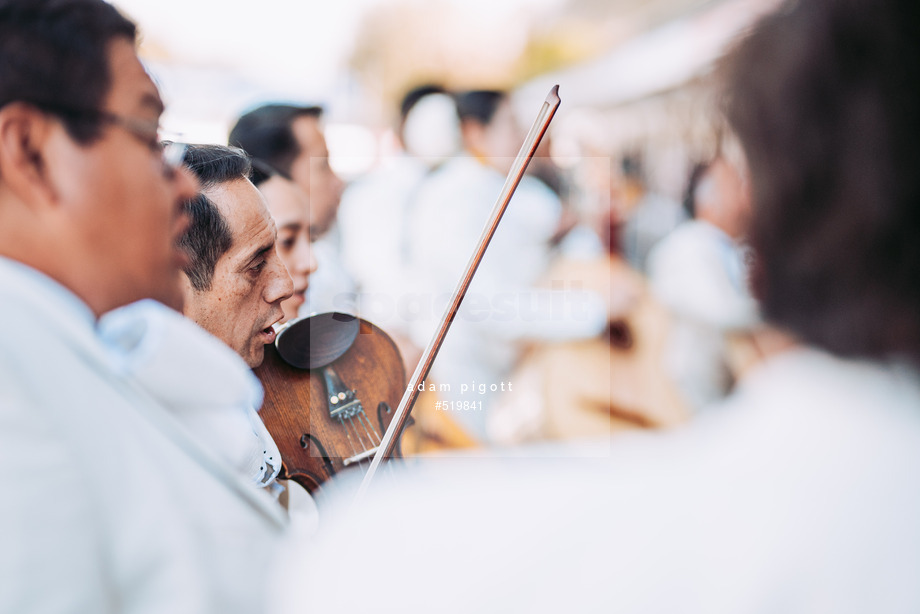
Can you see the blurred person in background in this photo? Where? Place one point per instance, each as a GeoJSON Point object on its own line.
{"type": "Point", "coordinates": [374, 216]}
{"type": "Point", "coordinates": [573, 236]}
{"type": "Point", "coordinates": [596, 387]}
{"type": "Point", "coordinates": [699, 273]}
{"type": "Point", "coordinates": [109, 504]}
{"type": "Point", "coordinates": [502, 309]}
{"type": "Point", "coordinates": [290, 209]}
{"type": "Point", "coordinates": [799, 495]}
{"type": "Point", "coordinates": [642, 217]}
{"type": "Point", "coordinates": [374, 222]}
{"type": "Point", "coordinates": [290, 139]}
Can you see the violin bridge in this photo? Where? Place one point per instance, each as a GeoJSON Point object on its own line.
{"type": "Point", "coordinates": [345, 408]}
{"type": "Point", "coordinates": [357, 458]}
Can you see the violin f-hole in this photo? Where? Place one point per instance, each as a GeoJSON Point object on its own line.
{"type": "Point", "coordinates": [306, 440]}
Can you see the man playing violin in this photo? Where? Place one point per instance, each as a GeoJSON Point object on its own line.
{"type": "Point", "coordinates": [235, 281]}
{"type": "Point", "coordinates": [237, 286]}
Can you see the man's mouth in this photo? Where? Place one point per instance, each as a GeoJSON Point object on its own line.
{"type": "Point", "coordinates": [269, 333]}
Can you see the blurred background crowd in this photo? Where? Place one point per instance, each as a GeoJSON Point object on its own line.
{"type": "Point", "coordinates": [616, 292]}
{"type": "Point", "coordinates": [686, 366]}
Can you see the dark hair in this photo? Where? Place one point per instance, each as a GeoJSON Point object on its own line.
{"type": "Point", "coordinates": [208, 236]}
{"type": "Point", "coordinates": [414, 95]}
{"type": "Point", "coordinates": [697, 173]}
{"type": "Point", "coordinates": [823, 96]}
{"type": "Point", "coordinates": [412, 98]}
{"type": "Point", "coordinates": [261, 172]}
{"type": "Point", "coordinates": [55, 54]}
{"type": "Point", "coordinates": [478, 105]}
{"type": "Point", "coordinates": [265, 133]}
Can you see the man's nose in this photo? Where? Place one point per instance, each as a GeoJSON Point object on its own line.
{"type": "Point", "coordinates": [281, 286]}
{"type": "Point", "coordinates": [304, 258]}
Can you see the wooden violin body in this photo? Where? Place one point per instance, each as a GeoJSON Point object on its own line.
{"type": "Point", "coordinates": [317, 436]}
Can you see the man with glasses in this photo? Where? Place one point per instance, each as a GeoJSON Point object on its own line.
{"type": "Point", "coordinates": [108, 504]}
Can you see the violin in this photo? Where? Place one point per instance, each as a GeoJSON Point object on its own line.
{"type": "Point", "coordinates": [332, 381]}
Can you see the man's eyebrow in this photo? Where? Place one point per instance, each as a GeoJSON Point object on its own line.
{"type": "Point", "coordinates": [260, 252]}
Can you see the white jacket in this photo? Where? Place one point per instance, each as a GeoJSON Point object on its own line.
{"type": "Point", "coordinates": [108, 504]}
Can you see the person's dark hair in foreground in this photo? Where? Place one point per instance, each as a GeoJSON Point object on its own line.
{"type": "Point", "coordinates": [53, 55]}
{"type": "Point", "coordinates": [694, 177]}
{"type": "Point", "coordinates": [829, 123]}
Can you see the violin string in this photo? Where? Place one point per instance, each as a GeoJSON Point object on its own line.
{"type": "Point", "coordinates": [355, 422]}
{"type": "Point", "coordinates": [362, 440]}
{"type": "Point", "coordinates": [362, 418]}
{"type": "Point", "coordinates": [351, 443]}
{"type": "Point", "coordinates": [374, 430]}
{"type": "Point", "coordinates": [389, 465]}
{"type": "Point", "coordinates": [362, 445]}
{"type": "Point", "coordinates": [365, 463]}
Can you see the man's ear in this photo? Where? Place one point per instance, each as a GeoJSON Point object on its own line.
{"type": "Point", "coordinates": [24, 134]}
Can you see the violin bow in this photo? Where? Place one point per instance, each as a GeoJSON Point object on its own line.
{"type": "Point", "coordinates": [540, 125]}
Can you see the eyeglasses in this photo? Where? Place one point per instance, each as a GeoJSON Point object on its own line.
{"type": "Point", "coordinates": [147, 132]}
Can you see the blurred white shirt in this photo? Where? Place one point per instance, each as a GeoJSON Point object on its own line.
{"type": "Point", "coordinates": [653, 219]}
{"type": "Point", "coordinates": [107, 491]}
{"type": "Point", "coordinates": [196, 376]}
{"type": "Point", "coordinates": [796, 495]}
{"type": "Point", "coordinates": [700, 276]}
{"type": "Point", "coordinates": [374, 223]}
{"type": "Point", "coordinates": [502, 308]}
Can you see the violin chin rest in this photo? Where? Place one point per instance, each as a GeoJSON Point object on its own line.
{"type": "Point", "coordinates": [318, 340]}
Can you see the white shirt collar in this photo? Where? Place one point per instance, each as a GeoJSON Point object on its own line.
{"type": "Point", "coordinates": [44, 290]}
